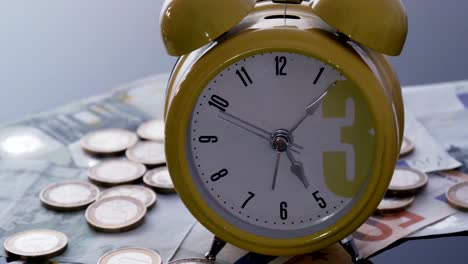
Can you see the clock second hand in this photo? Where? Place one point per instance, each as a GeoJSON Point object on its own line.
{"type": "Point", "coordinates": [298, 169]}
{"type": "Point", "coordinates": [278, 157]}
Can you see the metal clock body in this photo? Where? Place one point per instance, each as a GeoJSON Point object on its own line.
{"type": "Point", "coordinates": [281, 136]}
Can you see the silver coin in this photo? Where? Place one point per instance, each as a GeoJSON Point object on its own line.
{"type": "Point", "coordinates": [108, 141]}
{"type": "Point", "coordinates": [141, 193]}
{"type": "Point", "coordinates": [116, 172]}
{"type": "Point", "coordinates": [407, 146]}
{"type": "Point", "coordinates": [115, 214]}
{"type": "Point", "coordinates": [390, 205]}
{"type": "Point", "coordinates": [149, 153]}
{"type": "Point", "coordinates": [68, 196]}
{"type": "Point", "coordinates": [159, 179]}
{"type": "Point", "coordinates": [131, 256]}
{"type": "Point", "coordinates": [407, 181]}
{"type": "Point", "coordinates": [457, 196]}
{"type": "Point", "coordinates": [35, 244]}
{"type": "Point", "coordinates": [152, 130]}
{"type": "Point", "coordinates": [192, 261]}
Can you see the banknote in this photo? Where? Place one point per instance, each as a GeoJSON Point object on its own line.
{"type": "Point", "coordinates": [164, 229]}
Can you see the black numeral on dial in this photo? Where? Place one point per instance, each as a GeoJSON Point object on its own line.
{"type": "Point", "coordinates": [320, 201]}
{"type": "Point", "coordinates": [244, 76]}
{"type": "Point", "coordinates": [281, 62]}
{"type": "Point", "coordinates": [208, 139]}
{"type": "Point", "coordinates": [283, 210]}
{"type": "Point", "coordinates": [319, 75]}
{"type": "Point", "coordinates": [219, 103]}
{"type": "Point", "coordinates": [251, 195]}
{"type": "Point", "coordinates": [221, 174]}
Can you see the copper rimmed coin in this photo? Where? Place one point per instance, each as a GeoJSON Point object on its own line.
{"type": "Point", "coordinates": [160, 180]}
{"type": "Point", "coordinates": [115, 214]}
{"type": "Point", "coordinates": [141, 193]}
{"type": "Point", "coordinates": [407, 146]}
{"type": "Point", "coordinates": [36, 244]}
{"type": "Point", "coordinates": [191, 261]}
{"type": "Point", "coordinates": [116, 172]}
{"type": "Point", "coordinates": [149, 153]}
{"type": "Point", "coordinates": [152, 130]}
{"type": "Point", "coordinates": [407, 181]}
{"type": "Point", "coordinates": [69, 196]}
{"type": "Point", "coordinates": [130, 256]}
{"type": "Point", "coordinates": [390, 205]}
{"type": "Point", "coordinates": [457, 196]}
{"type": "Point", "coordinates": [108, 141]}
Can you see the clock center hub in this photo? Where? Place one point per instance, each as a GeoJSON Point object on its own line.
{"type": "Point", "coordinates": [280, 140]}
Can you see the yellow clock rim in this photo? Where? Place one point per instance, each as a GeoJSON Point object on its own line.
{"type": "Point", "coordinates": [284, 40]}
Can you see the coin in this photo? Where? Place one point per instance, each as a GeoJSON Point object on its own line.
{"type": "Point", "coordinates": [115, 214]}
{"type": "Point", "coordinates": [141, 193]}
{"type": "Point", "coordinates": [149, 153]}
{"type": "Point", "coordinates": [116, 172]}
{"type": "Point", "coordinates": [160, 180]}
{"type": "Point", "coordinates": [457, 196]}
{"type": "Point", "coordinates": [390, 205]}
{"type": "Point", "coordinates": [68, 196]}
{"type": "Point", "coordinates": [36, 244]}
{"type": "Point", "coordinates": [108, 141]}
{"type": "Point", "coordinates": [191, 261]}
{"type": "Point", "coordinates": [152, 130]}
{"type": "Point", "coordinates": [407, 181]}
{"type": "Point", "coordinates": [407, 147]}
{"type": "Point", "coordinates": [130, 256]}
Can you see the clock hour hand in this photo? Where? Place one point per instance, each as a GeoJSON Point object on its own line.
{"type": "Point", "coordinates": [312, 108]}
{"type": "Point", "coordinates": [258, 131]}
{"type": "Point", "coordinates": [298, 169]}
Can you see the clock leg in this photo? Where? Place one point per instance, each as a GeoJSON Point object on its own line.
{"type": "Point", "coordinates": [350, 247]}
{"type": "Point", "coordinates": [216, 247]}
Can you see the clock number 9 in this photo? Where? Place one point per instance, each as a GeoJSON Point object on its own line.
{"type": "Point", "coordinates": [320, 201]}
{"type": "Point", "coordinates": [217, 176]}
{"type": "Point", "coordinates": [283, 210]}
{"type": "Point", "coordinates": [208, 139]}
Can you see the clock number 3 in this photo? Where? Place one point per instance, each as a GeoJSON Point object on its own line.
{"type": "Point", "coordinates": [217, 176]}
{"type": "Point", "coordinates": [320, 201]}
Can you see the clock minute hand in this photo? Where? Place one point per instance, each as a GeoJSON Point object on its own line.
{"type": "Point", "coordinates": [242, 124]}
{"type": "Point", "coordinates": [298, 169]}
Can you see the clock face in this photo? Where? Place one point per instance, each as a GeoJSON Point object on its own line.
{"type": "Point", "coordinates": [281, 144]}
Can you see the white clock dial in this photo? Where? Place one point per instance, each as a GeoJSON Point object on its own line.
{"type": "Point", "coordinates": [256, 145]}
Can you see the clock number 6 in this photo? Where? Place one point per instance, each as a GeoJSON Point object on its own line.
{"type": "Point", "coordinates": [320, 201]}
{"type": "Point", "coordinates": [283, 210]}
{"type": "Point", "coordinates": [217, 176]}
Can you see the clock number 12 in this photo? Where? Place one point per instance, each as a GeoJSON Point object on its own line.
{"type": "Point", "coordinates": [280, 65]}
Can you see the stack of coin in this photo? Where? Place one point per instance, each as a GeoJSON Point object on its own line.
{"type": "Point", "coordinates": [390, 205]}
{"type": "Point", "coordinates": [36, 244]}
{"type": "Point", "coordinates": [160, 180]}
{"type": "Point", "coordinates": [130, 255]}
{"type": "Point", "coordinates": [115, 214]}
{"type": "Point", "coordinates": [116, 172]}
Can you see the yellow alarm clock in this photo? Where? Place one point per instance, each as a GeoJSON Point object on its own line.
{"type": "Point", "coordinates": [284, 119]}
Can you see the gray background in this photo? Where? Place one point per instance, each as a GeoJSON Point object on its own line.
{"type": "Point", "coordinates": [54, 51]}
